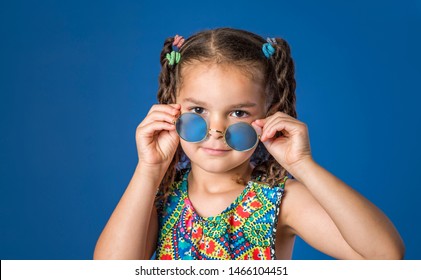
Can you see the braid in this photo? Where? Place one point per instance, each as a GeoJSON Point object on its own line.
{"type": "Point", "coordinates": [166, 95]}
{"type": "Point", "coordinates": [167, 77]}
{"type": "Point", "coordinates": [281, 88]}
{"type": "Point", "coordinates": [285, 80]}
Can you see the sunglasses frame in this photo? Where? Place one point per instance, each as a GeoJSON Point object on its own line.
{"type": "Point", "coordinates": [223, 133]}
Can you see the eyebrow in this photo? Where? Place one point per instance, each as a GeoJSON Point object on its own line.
{"type": "Point", "coordinates": [204, 104]}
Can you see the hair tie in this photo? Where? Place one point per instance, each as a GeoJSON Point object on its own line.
{"type": "Point", "coordinates": [175, 56]}
{"type": "Point", "coordinates": [178, 42]}
{"type": "Point", "coordinates": [271, 41]}
{"type": "Point", "coordinates": [267, 48]}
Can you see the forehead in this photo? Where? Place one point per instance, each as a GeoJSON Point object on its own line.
{"type": "Point", "coordinates": [220, 84]}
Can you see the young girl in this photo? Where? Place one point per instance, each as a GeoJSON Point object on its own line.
{"type": "Point", "coordinates": [214, 156]}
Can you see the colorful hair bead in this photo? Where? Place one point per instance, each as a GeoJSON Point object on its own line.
{"type": "Point", "coordinates": [267, 48]}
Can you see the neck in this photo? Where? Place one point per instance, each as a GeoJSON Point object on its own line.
{"type": "Point", "coordinates": [216, 182]}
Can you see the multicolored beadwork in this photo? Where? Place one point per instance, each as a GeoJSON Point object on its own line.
{"type": "Point", "coordinates": [245, 230]}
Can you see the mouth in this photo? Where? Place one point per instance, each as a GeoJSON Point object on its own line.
{"type": "Point", "coordinates": [215, 152]}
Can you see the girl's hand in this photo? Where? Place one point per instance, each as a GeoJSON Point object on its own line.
{"type": "Point", "coordinates": [156, 138]}
{"type": "Point", "coordinates": [291, 147]}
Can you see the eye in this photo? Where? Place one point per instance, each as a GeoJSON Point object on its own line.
{"type": "Point", "coordinates": [197, 110]}
{"type": "Point", "coordinates": [240, 114]}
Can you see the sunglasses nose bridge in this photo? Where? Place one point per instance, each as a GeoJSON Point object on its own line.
{"type": "Point", "coordinates": [216, 126]}
{"type": "Point", "coordinates": [215, 133]}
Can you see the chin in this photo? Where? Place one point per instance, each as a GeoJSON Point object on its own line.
{"type": "Point", "coordinates": [214, 167]}
{"type": "Point", "coordinates": [219, 165]}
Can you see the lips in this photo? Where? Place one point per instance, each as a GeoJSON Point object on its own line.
{"type": "Point", "coordinates": [215, 151]}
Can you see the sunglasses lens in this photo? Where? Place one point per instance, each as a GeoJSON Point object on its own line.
{"type": "Point", "coordinates": [191, 127]}
{"type": "Point", "coordinates": [241, 136]}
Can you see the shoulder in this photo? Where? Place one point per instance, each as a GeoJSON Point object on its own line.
{"type": "Point", "coordinates": [295, 197]}
{"type": "Point", "coordinates": [293, 189]}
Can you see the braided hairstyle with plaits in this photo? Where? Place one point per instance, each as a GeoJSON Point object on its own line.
{"type": "Point", "coordinates": [166, 95]}
{"type": "Point", "coordinates": [237, 48]}
{"type": "Point", "coordinates": [280, 88]}
{"type": "Point", "coordinates": [167, 77]}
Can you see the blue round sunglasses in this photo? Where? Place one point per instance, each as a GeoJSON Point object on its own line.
{"type": "Point", "coordinates": [193, 128]}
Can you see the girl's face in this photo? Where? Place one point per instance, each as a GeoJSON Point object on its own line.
{"type": "Point", "coordinates": [222, 95]}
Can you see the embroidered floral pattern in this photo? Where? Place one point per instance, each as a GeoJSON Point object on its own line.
{"type": "Point", "coordinates": [245, 230]}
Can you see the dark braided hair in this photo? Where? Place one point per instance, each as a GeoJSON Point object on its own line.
{"type": "Point", "coordinates": [242, 49]}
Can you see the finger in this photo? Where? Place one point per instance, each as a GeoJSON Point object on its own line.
{"type": "Point", "coordinates": [150, 129]}
{"type": "Point", "coordinates": [281, 125]}
{"type": "Point", "coordinates": [259, 122]}
{"type": "Point", "coordinates": [175, 105]}
{"type": "Point", "coordinates": [158, 116]}
{"type": "Point", "coordinates": [263, 124]}
{"type": "Point", "coordinates": [267, 120]}
{"type": "Point", "coordinates": [280, 116]}
{"type": "Point", "coordinates": [173, 109]}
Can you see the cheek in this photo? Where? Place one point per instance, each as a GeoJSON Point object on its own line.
{"type": "Point", "coordinates": [188, 148]}
{"type": "Point", "coordinates": [247, 154]}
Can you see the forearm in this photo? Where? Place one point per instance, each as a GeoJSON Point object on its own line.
{"type": "Point", "coordinates": [363, 226]}
{"type": "Point", "coordinates": [125, 234]}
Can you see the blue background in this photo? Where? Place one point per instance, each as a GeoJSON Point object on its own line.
{"type": "Point", "coordinates": [77, 78]}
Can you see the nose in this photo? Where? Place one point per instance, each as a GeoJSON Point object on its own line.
{"type": "Point", "coordinates": [216, 128]}
{"type": "Point", "coordinates": [217, 134]}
